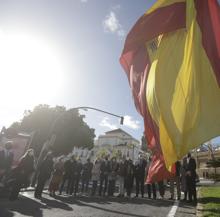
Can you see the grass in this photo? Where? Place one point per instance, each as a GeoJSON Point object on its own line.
{"type": "Point", "coordinates": [210, 200]}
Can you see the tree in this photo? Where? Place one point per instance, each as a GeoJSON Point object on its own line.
{"type": "Point", "coordinates": [103, 152]}
{"type": "Point", "coordinates": [68, 125]}
{"type": "Point", "coordinates": [214, 163]}
{"type": "Point", "coordinates": [144, 146]}
{"type": "Point", "coordinates": [143, 143]}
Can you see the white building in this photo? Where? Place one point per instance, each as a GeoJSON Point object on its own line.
{"type": "Point", "coordinates": [115, 142]}
{"type": "Point", "coordinates": [116, 137]}
{"type": "Point", "coordinates": [119, 141]}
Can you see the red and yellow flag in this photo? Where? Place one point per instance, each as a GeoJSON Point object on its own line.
{"type": "Point", "coordinates": [172, 60]}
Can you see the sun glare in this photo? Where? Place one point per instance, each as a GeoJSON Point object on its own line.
{"type": "Point", "coordinates": [30, 68]}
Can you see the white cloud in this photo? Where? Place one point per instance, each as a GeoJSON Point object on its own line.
{"type": "Point", "coordinates": [84, 1]}
{"type": "Point", "coordinates": [131, 123]}
{"type": "Point", "coordinates": [106, 123]}
{"type": "Point", "coordinates": [111, 24]}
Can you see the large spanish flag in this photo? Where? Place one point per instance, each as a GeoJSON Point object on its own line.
{"type": "Point", "coordinates": [172, 60]}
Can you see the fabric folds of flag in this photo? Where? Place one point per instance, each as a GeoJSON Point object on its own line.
{"type": "Point", "coordinates": [172, 59]}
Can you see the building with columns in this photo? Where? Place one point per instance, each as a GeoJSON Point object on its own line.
{"type": "Point", "coordinates": [114, 142]}
{"type": "Point", "coordinates": [116, 137]}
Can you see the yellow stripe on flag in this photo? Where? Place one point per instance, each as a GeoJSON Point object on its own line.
{"type": "Point", "coordinates": [182, 92]}
{"type": "Point", "coordinates": [162, 3]}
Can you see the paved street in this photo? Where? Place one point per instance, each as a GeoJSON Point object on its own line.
{"type": "Point", "coordinates": [82, 206]}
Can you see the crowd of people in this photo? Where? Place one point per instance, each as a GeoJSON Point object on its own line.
{"type": "Point", "coordinates": [104, 177]}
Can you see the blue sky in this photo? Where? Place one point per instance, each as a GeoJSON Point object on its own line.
{"type": "Point", "coordinates": [87, 38]}
{"type": "Point", "coordinates": [81, 41]}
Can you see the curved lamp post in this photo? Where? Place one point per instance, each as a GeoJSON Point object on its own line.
{"type": "Point", "coordinates": [99, 110]}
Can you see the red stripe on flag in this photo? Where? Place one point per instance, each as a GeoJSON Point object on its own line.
{"type": "Point", "coordinates": [208, 17]}
{"type": "Point", "coordinates": [136, 66]}
{"type": "Point", "coordinates": [163, 20]}
{"type": "Point", "coordinates": [136, 63]}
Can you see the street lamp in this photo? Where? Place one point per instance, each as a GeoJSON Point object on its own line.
{"type": "Point", "coordinates": [99, 110]}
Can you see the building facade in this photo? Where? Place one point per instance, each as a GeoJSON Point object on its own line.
{"type": "Point", "coordinates": [116, 137]}
{"type": "Point", "coordinates": [113, 143]}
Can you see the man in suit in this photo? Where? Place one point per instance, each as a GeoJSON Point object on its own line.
{"type": "Point", "coordinates": [191, 177]}
{"type": "Point", "coordinates": [86, 174]}
{"type": "Point", "coordinates": [104, 172]}
{"type": "Point", "coordinates": [139, 173]}
{"type": "Point", "coordinates": [6, 159]}
{"type": "Point", "coordinates": [175, 179]}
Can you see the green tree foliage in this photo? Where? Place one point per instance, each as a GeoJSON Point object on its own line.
{"type": "Point", "coordinates": [213, 163]}
{"type": "Point", "coordinates": [144, 146]}
{"type": "Point", "coordinates": [68, 125]}
{"type": "Point", "coordinates": [143, 143]}
{"type": "Point", "coordinates": [103, 152]}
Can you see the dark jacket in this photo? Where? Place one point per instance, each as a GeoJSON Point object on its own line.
{"type": "Point", "coordinates": [129, 169]}
{"type": "Point", "coordinates": [78, 169]}
{"type": "Point", "coordinates": [113, 170]}
{"type": "Point", "coordinates": [191, 167]}
{"type": "Point", "coordinates": [122, 169]}
{"type": "Point", "coordinates": [68, 170]}
{"type": "Point", "coordinates": [105, 168]}
{"type": "Point", "coordinates": [6, 161]}
{"type": "Point", "coordinates": [178, 167]}
{"type": "Point", "coordinates": [140, 168]}
{"type": "Point", "coordinates": [87, 170]}
{"type": "Point", "coordinates": [46, 168]}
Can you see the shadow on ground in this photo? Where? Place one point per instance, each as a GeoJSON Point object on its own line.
{"type": "Point", "coordinates": [29, 207]}
{"type": "Point", "coordinates": [95, 202]}
{"type": "Point", "coordinates": [109, 200]}
{"type": "Point", "coordinates": [206, 200]}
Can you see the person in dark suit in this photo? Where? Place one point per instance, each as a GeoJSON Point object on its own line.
{"type": "Point", "coordinates": [86, 174]}
{"type": "Point", "coordinates": [129, 177]}
{"type": "Point", "coordinates": [139, 173]}
{"type": "Point", "coordinates": [67, 175]}
{"type": "Point", "coordinates": [44, 174]}
{"type": "Point", "coordinates": [104, 172]}
{"type": "Point", "coordinates": [77, 176]}
{"type": "Point", "coordinates": [175, 179]}
{"type": "Point", "coordinates": [6, 159]}
{"type": "Point", "coordinates": [112, 176]}
{"type": "Point", "coordinates": [191, 177]}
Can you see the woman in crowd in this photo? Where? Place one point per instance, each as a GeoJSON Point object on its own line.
{"type": "Point", "coordinates": [22, 173]}
{"type": "Point", "coordinates": [45, 170]}
{"type": "Point", "coordinates": [57, 177]}
{"type": "Point", "coordinates": [95, 176]}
